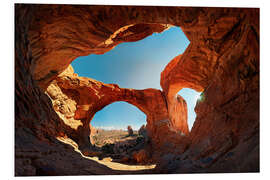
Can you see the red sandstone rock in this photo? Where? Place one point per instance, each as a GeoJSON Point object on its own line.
{"type": "Point", "coordinates": [125, 159]}
{"type": "Point", "coordinates": [93, 132]}
{"type": "Point", "coordinates": [141, 156]}
{"type": "Point", "coordinates": [89, 96]}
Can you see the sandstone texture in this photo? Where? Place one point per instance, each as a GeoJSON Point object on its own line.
{"type": "Point", "coordinates": [77, 99]}
{"type": "Point", "coordinates": [141, 156]}
{"type": "Point", "coordinates": [51, 101]}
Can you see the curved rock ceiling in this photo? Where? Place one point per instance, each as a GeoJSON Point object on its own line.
{"type": "Point", "coordinates": [222, 60]}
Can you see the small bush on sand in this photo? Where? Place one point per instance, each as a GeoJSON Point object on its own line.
{"type": "Point", "coordinates": [108, 148]}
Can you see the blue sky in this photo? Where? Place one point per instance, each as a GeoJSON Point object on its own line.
{"type": "Point", "coordinates": [118, 116]}
{"type": "Point", "coordinates": [191, 96]}
{"type": "Point", "coordinates": [132, 65]}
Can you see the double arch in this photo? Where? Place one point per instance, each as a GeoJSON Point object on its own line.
{"type": "Point", "coordinates": [85, 91]}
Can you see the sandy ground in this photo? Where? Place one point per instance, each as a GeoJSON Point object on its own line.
{"type": "Point", "coordinates": [103, 137]}
{"type": "Point", "coordinates": [106, 161]}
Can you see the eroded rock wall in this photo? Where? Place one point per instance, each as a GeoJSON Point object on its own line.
{"type": "Point", "coordinates": [37, 152]}
{"type": "Point", "coordinates": [71, 31]}
{"type": "Point", "coordinates": [77, 99]}
{"type": "Point", "coordinates": [223, 63]}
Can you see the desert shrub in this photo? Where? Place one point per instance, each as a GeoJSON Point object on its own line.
{"type": "Point", "coordinates": [139, 140]}
{"type": "Point", "coordinates": [108, 148]}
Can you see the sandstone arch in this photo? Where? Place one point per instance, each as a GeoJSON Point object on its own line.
{"type": "Point", "coordinates": [224, 50]}
{"type": "Point", "coordinates": [87, 96]}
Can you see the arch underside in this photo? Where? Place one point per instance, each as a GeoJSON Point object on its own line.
{"type": "Point", "coordinates": [90, 96]}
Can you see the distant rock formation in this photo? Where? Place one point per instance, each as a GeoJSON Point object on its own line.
{"type": "Point", "coordinates": [130, 130]}
{"type": "Point", "coordinates": [142, 131]}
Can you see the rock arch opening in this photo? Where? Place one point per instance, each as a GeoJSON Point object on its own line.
{"type": "Point", "coordinates": [155, 51]}
{"type": "Point", "coordinates": [119, 132]}
{"type": "Point", "coordinates": [119, 115]}
{"type": "Point", "coordinates": [191, 97]}
{"type": "Point", "coordinates": [137, 64]}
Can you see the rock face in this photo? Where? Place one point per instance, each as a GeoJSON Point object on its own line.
{"type": "Point", "coordinates": [77, 99]}
{"type": "Point", "coordinates": [142, 131]}
{"type": "Point", "coordinates": [93, 132]}
{"type": "Point", "coordinates": [141, 156]}
{"type": "Point", "coordinates": [222, 61]}
{"type": "Point", "coordinates": [56, 49]}
{"type": "Point", "coordinates": [224, 65]}
{"type": "Point", "coordinates": [37, 151]}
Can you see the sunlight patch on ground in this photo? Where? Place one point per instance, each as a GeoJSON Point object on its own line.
{"type": "Point", "coordinates": [106, 161]}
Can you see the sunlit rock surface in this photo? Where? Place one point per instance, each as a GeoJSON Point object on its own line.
{"type": "Point", "coordinates": [222, 60]}
{"type": "Point", "coordinates": [77, 99]}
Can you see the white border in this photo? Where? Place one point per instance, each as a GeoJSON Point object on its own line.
{"type": "Point", "coordinates": [7, 84]}
{"type": "Point", "coordinates": [208, 3]}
